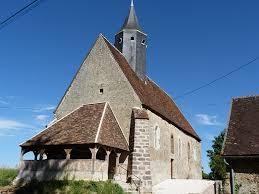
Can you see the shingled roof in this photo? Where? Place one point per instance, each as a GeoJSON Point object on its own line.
{"type": "Point", "coordinates": [242, 138]}
{"type": "Point", "coordinates": [152, 97]}
{"type": "Point", "coordinates": [89, 124]}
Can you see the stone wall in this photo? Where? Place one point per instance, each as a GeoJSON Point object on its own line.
{"type": "Point", "coordinates": [185, 166]}
{"type": "Point", "coordinates": [101, 71]}
{"type": "Point", "coordinates": [140, 157]}
{"type": "Point", "coordinates": [60, 169]}
{"type": "Point", "coordinates": [246, 175]}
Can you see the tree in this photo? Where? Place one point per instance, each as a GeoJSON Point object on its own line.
{"type": "Point", "coordinates": [217, 165]}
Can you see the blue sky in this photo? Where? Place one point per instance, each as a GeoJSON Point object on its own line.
{"type": "Point", "coordinates": [190, 43]}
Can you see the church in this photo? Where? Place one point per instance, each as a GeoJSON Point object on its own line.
{"type": "Point", "coordinates": [114, 122]}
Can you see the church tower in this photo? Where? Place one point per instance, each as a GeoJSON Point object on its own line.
{"type": "Point", "coordinates": [132, 42]}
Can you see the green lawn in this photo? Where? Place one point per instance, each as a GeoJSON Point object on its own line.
{"type": "Point", "coordinates": [7, 176]}
{"type": "Point", "coordinates": [71, 187]}
{"type": "Point", "coordinates": [59, 187]}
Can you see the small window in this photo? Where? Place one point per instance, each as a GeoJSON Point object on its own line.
{"type": "Point", "coordinates": [143, 42]}
{"type": "Point", "coordinates": [156, 137]}
{"type": "Point", "coordinates": [120, 40]}
{"type": "Point", "coordinates": [132, 38]}
{"type": "Point", "coordinates": [194, 154]}
{"type": "Point", "coordinates": [101, 91]}
{"type": "Point", "coordinates": [189, 151]}
{"type": "Point", "coordinates": [179, 147]}
{"type": "Point", "coordinates": [172, 144]}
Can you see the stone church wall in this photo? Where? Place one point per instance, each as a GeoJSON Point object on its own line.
{"type": "Point", "coordinates": [100, 79]}
{"type": "Point", "coordinates": [183, 168]}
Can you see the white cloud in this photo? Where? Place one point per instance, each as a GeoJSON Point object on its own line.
{"type": "Point", "coordinates": [9, 127]}
{"type": "Point", "coordinates": [12, 124]}
{"type": "Point", "coordinates": [3, 102]}
{"type": "Point", "coordinates": [42, 118]}
{"type": "Point", "coordinates": [205, 119]}
{"type": "Point", "coordinates": [46, 108]}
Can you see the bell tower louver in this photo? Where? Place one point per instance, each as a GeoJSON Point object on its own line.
{"type": "Point", "coordinates": [132, 42]}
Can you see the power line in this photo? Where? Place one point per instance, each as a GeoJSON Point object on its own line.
{"type": "Point", "coordinates": [176, 98]}
{"type": "Point", "coordinates": [22, 11]}
{"type": "Point", "coordinates": [215, 80]}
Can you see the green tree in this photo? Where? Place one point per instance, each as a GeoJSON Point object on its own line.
{"type": "Point", "coordinates": [217, 165]}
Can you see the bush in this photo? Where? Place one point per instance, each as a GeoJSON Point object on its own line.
{"type": "Point", "coordinates": [7, 176]}
{"type": "Point", "coordinates": [71, 187]}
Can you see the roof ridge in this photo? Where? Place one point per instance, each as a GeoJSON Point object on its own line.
{"type": "Point", "coordinates": [54, 123]}
{"type": "Point", "coordinates": [100, 124]}
{"type": "Point", "coordinates": [142, 89]}
{"type": "Point", "coordinates": [249, 96]}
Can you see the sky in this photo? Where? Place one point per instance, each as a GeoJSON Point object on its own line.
{"type": "Point", "coordinates": [190, 43]}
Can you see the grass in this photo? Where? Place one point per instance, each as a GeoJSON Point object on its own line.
{"type": "Point", "coordinates": [59, 187]}
{"type": "Point", "coordinates": [71, 187]}
{"type": "Point", "coordinates": [7, 175]}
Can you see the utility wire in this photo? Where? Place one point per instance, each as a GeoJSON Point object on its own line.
{"type": "Point", "coordinates": [215, 80]}
{"type": "Point", "coordinates": [176, 98]}
{"type": "Point", "coordinates": [22, 11]}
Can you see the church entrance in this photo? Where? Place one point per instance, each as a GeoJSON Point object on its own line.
{"type": "Point", "coordinates": [112, 165]}
{"type": "Point", "coordinates": [172, 167]}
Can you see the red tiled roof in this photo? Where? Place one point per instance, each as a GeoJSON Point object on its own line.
{"type": "Point", "coordinates": [242, 138]}
{"type": "Point", "coordinates": [152, 97]}
{"type": "Point", "coordinates": [89, 124]}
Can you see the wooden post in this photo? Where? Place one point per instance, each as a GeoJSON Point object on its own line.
{"type": "Point", "coordinates": [23, 151]}
{"type": "Point", "coordinates": [117, 163]}
{"type": "Point", "coordinates": [68, 153]}
{"type": "Point", "coordinates": [41, 154]}
{"type": "Point", "coordinates": [36, 153]}
{"type": "Point", "coordinates": [93, 150]}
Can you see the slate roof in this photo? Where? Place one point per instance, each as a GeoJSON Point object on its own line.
{"type": "Point", "coordinates": [242, 138]}
{"type": "Point", "coordinates": [153, 97]}
{"type": "Point", "coordinates": [89, 124]}
{"type": "Point", "coordinates": [131, 22]}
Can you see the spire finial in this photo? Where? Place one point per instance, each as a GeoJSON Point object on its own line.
{"type": "Point", "coordinates": [132, 3]}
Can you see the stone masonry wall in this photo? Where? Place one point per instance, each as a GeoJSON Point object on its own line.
{"type": "Point", "coordinates": [185, 165]}
{"type": "Point", "coordinates": [140, 157]}
{"type": "Point", "coordinates": [246, 175]}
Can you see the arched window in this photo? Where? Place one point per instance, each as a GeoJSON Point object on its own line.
{"type": "Point", "coordinates": [194, 153]}
{"type": "Point", "coordinates": [172, 144]}
{"type": "Point", "coordinates": [189, 152]}
{"type": "Point", "coordinates": [101, 154]}
{"type": "Point", "coordinates": [28, 156]}
{"type": "Point", "coordinates": [156, 137]}
{"type": "Point", "coordinates": [179, 147]}
{"type": "Point", "coordinates": [81, 153]}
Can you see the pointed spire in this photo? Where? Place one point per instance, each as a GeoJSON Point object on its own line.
{"type": "Point", "coordinates": [131, 21]}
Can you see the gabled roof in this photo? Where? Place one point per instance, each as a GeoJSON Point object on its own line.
{"type": "Point", "coordinates": [152, 97]}
{"type": "Point", "coordinates": [89, 124]}
{"type": "Point", "coordinates": [242, 138]}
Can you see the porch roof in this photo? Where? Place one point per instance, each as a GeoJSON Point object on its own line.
{"type": "Point", "coordinates": [89, 124]}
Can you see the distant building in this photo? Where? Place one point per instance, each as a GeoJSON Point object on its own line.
{"type": "Point", "coordinates": [241, 146]}
{"type": "Point", "coordinates": [115, 123]}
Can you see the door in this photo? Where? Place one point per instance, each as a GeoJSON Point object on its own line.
{"type": "Point", "coordinates": [172, 168]}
